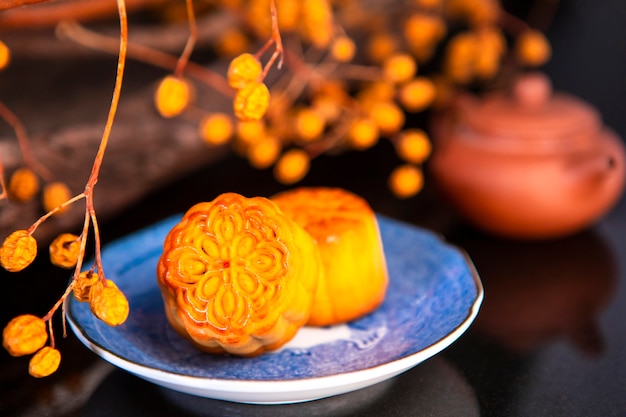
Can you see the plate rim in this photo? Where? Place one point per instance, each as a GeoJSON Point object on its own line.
{"type": "Point", "coordinates": [345, 380]}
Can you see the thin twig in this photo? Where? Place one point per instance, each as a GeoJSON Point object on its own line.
{"type": "Point", "coordinates": [3, 186]}
{"type": "Point", "coordinates": [10, 4]}
{"type": "Point", "coordinates": [52, 212]}
{"type": "Point", "coordinates": [191, 41]}
{"type": "Point", "coordinates": [24, 143]}
{"type": "Point", "coordinates": [48, 15]}
{"type": "Point", "coordinates": [95, 171]}
{"type": "Point", "coordinates": [90, 213]}
{"type": "Point", "coordinates": [277, 40]}
{"type": "Point", "coordinates": [82, 36]}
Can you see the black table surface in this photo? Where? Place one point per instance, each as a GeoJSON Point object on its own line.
{"type": "Point", "coordinates": [550, 338]}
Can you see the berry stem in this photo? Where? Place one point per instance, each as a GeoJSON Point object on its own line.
{"type": "Point", "coordinates": [24, 143]}
{"type": "Point", "coordinates": [60, 301]}
{"type": "Point", "coordinates": [82, 36]}
{"type": "Point", "coordinates": [191, 41]}
{"type": "Point", "coordinates": [276, 40]}
{"type": "Point", "coordinates": [3, 185]}
{"type": "Point", "coordinates": [51, 333]}
{"type": "Point", "coordinates": [93, 178]}
{"type": "Point", "coordinates": [97, 249]}
{"type": "Point", "coordinates": [43, 218]}
{"type": "Point", "coordinates": [90, 213]}
{"type": "Point", "coordinates": [9, 4]}
{"type": "Point", "coordinates": [51, 14]}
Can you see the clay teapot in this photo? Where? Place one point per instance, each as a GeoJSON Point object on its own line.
{"type": "Point", "coordinates": [527, 163]}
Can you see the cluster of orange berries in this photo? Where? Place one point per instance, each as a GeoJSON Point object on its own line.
{"type": "Point", "coordinates": [24, 185]}
{"type": "Point", "coordinates": [253, 97]}
{"type": "Point", "coordinates": [106, 300]}
{"type": "Point", "coordinates": [333, 97]}
{"type": "Point", "coordinates": [327, 101]}
{"type": "Point", "coordinates": [27, 334]}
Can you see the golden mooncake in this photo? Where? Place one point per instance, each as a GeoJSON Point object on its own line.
{"type": "Point", "coordinates": [238, 276]}
{"type": "Point", "coordinates": [346, 231]}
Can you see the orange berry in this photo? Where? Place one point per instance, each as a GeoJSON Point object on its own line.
{"type": "Point", "coordinates": [23, 185]}
{"type": "Point", "coordinates": [388, 117]}
{"type": "Point", "coordinates": [376, 92]}
{"type": "Point", "coordinates": [231, 41]}
{"type": "Point", "coordinates": [251, 102]}
{"type": "Point", "coordinates": [18, 251]}
{"type": "Point", "coordinates": [317, 22]}
{"type": "Point", "coordinates": [256, 15]}
{"type": "Point", "coordinates": [460, 56]}
{"type": "Point", "coordinates": [5, 55]}
{"type": "Point", "coordinates": [55, 194]}
{"type": "Point", "coordinates": [475, 12]}
{"type": "Point", "coordinates": [417, 94]}
{"type": "Point", "coordinates": [343, 49]}
{"type": "Point", "coordinates": [381, 45]}
{"type": "Point", "coordinates": [216, 128]}
{"type": "Point", "coordinates": [327, 106]}
{"type": "Point", "coordinates": [533, 48]}
{"type": "Point", "coordinates": [423, 31]}
{"type": "Point", "coordinates": [83, 284]}
{"type": "Point", "coordinates": [108, 303]}
{"type": "Point", "coordinates": [399, 68]}
{"type": "Point", "coordinates": [264, 153]}
{"type": "Point", "coordinates": [309, 125]}
{"type": "Point", "coordinates": [250, 132]}
{"type": "Point", "coordinates": [288, 14]}
{"type": "Point", "coordinates": [363, 133]}
{"type": "Point", "coordinates": [243, 70]}
{"type": "Point", "coordinates": [45, 362]}
{"type": "Point", "coordinates": [413, 145]}
{"type": "Point", "coordinates": [292, 166]}
{"type": "Point", "coordinates": [405, 181]}
{"type": "Point", "coordinates": [321, 37]}
{"type": "Point", "coordinates": [335, 89]}
{"type": "Point", "coordinates": [24, 334]}
{"type": "Point", "coordinates": [172, 96]}
{"type": "Point", "coordinates": [489, 51]}
{"type": "Point", "coordinates": [64, 250]}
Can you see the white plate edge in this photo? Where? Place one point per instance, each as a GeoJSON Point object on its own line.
{"type": "Point", "coordinates": [225, 389]}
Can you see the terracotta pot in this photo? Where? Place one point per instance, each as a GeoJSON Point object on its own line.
{"type": "Point", "coordinates": [527, 163]}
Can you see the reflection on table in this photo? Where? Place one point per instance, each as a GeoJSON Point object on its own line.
{"type": "Point", "coordinates": [432, 389]}
{"type": "Point", "coordinates": [543, 291]}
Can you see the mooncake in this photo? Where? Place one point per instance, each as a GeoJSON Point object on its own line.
{"type": "Point", "coordinates": [346, 232]}
{"type": "Point", "coordinates": [238, 276]}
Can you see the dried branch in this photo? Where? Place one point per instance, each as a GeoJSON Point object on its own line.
{"type": "Point", "coordinates": [10, 4]}
{"type": "Point", "coordinates": [47, 15]}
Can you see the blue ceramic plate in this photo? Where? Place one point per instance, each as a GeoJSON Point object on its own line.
{"type": "Point", "coordinates": [434, 295]}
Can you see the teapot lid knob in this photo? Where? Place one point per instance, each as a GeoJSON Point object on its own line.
{"type": "Point", "coordinates": [533, 90]}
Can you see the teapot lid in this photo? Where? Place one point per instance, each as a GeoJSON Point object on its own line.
{"type": "Point", "coordinates": [531, 110]}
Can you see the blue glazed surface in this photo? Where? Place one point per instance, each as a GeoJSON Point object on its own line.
{"type": "Point", "coordinates": [433, 290]}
